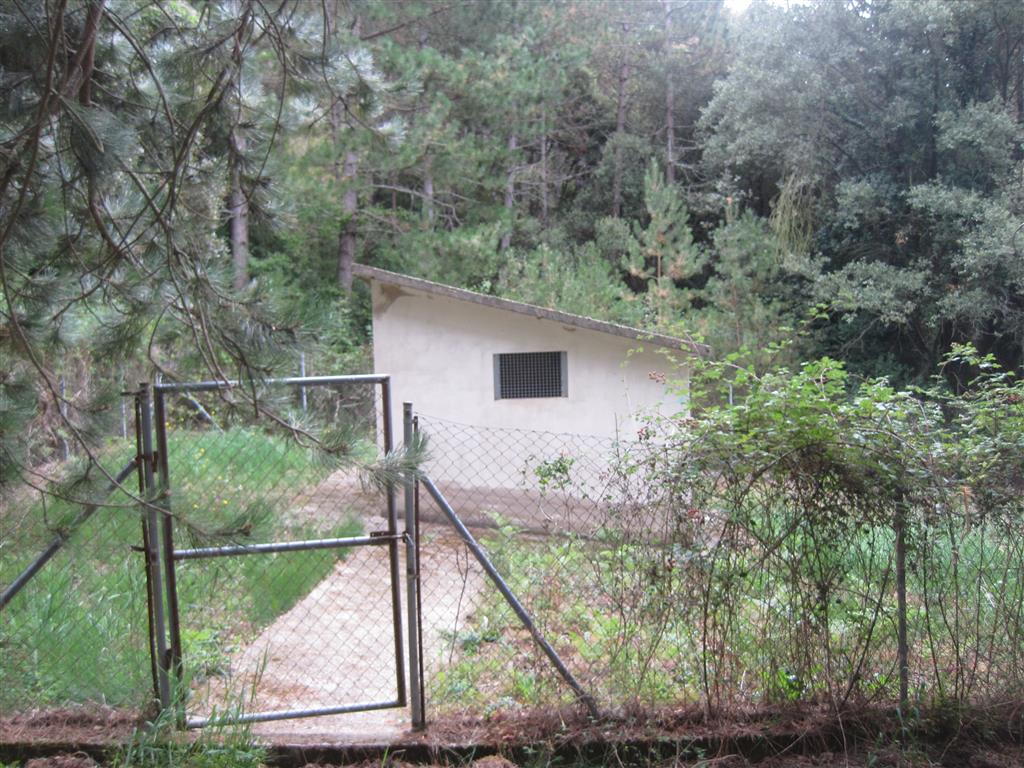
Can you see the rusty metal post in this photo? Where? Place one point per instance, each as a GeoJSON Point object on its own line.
{"type": "Point", "coordinates": [412, 580]}
{"type": "Point", "coordinates": [396, 591]}
{"type": "Point", "coordinates": [902, 643]}
{"type": "Point", "coordinates": [167, 535]}
{"type": "Point", "coordinates": [151, 520]}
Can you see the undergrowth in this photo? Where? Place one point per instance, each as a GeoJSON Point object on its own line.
{"type": "Point", "coordinates": [78, 632]}
{"type": "Point", "coordinates": [159, 745]}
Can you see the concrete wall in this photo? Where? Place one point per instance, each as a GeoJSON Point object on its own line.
{"type": "Point", "coordinates": [440, 354]}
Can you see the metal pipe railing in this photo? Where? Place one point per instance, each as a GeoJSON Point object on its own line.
{"type": "Point", "coordinates": [62, 538]}
{"type": "Point", "coordinates": [286, 714]}
{"type": "Point", "coordinates": [309, 381]}
{"type": "Point", "coordinates": [285, 546]}
{"type": "Point", "coordinates": [412, 602]}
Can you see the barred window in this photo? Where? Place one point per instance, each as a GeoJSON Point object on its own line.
{"type": "Point", "coordinates": [530, 374]}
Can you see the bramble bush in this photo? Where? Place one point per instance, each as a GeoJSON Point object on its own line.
{"type": "Point", "coordinates": [818, 539]}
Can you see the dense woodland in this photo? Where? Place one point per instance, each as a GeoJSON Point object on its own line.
{"type": "Point", "coordinates": [185, 186]}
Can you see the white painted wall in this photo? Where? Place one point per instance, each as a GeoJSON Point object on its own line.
{"type": "Point", "coordinates": [439, 352]}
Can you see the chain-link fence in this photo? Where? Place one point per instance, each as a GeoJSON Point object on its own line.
{"type": "Point", "coordinates": [76, 632]}
{"type": "Point", "coordinates": [747, 595]}
{"type": "Point", "coordinates": [536, 502]}
{"type": "Point", "coordinates": [287, 556]}
{"type": "Point", "coordinates": [271, 503]}
{"type": "Point", "coordinates": [284, 540]}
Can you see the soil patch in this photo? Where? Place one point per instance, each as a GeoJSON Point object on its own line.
{"type": "Point", "coordinates": [790, 737]}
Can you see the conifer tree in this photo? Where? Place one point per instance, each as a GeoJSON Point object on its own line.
{"type": "Point", "coordinates": [112, 202]}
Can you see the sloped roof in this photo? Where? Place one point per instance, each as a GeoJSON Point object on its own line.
{"type": "Point", "coordinates": [530, 310]}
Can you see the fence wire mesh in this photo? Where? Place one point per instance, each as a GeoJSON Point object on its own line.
{"type": "Point", "coordinates": [77, 633]}
{"type": "Point", "coordinates": [653, 594]}
{"type": "Point", "coordinates": [649, 592]}
{"type": "Point", "coordinates": [268, 631]}
{"type": "Point", "coordinates": [286, 630]}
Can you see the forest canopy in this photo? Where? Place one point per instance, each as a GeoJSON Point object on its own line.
{"type": "Point", "coordinates": [185, 186]}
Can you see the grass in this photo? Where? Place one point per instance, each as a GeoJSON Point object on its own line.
{"type": "Point", "coordinates": [217, 746]}
{"type": "Point", "coordinates": [814, 622]}
{"type": "Point", "coordinates": [79, 631]}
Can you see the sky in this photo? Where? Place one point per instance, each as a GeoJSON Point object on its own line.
{"type": "Point", "coordinates": [737, 6]}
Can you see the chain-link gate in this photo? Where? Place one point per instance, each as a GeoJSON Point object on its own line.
{"type": "Point", "coordinates": [272, 548]}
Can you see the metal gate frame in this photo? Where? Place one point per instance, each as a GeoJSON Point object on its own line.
{"type": "Point", "coordinates": [161, 556]}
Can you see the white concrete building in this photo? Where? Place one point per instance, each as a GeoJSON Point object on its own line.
{"type": "Point", "coordinates": [488, 362]}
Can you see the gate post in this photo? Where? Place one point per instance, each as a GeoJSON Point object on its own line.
{"type": "Point", "coordinates": [151, 531]}
{"type": "Point", "coordinates": [396, 587]}
{"type": "Point", "coordinates": [412, 574]}
{"type": "Point", "coordinates": [167, 533]}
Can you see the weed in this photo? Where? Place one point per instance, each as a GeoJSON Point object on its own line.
{"type": "Point", "coordinates": [160, 745]}
{"type": "Point", "coordinates": [79, 631]}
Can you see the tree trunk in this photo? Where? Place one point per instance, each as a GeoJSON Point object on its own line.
{"type": "Point", "coordinates": [1020, 92]}
{"type": "Point", "coordinates": [510, 192]}
{"type": "Point", "coordinates": [238, 208]}
{"type": "Point", "coordinates": [238, 203]}
{"type": "Point", "coordinates": [544, 168]}
{"type": "Point", "coordinates": [345, 171]}
{"type": "Point", "coordinates": [670, 102]}
{"type": "Point", "coordinates": [349, 208]}
{"type": "Point", "coordinates": [428, 189]}
{"type": "Point", "coordinates": [620, 128]}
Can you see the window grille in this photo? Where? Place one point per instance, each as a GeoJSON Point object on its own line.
{"type": "Point", "coordinates": [530, 374]}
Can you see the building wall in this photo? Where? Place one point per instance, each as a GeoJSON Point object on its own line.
{"type": "Point", "coordinates": [439, 352]}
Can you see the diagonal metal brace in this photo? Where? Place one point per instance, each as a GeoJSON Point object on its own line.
{"type": "Point", "coordinates": [585, 698]}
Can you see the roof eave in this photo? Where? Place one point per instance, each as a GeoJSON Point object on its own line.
{"type": "Point", "coordinates": [531, 310]}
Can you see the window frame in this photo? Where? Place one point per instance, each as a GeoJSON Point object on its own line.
{"type": "Point", "coordinates": [563, 363]}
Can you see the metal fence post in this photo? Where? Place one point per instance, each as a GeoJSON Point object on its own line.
{"type": "Point", "coordinates": [412, 581]}
{"type": "Point", "coordinates": [585, 698]}
{"type": "Point", "coordinates": [167, 535]}
{"type": "Point", "coordinates": [902, 644]}
{"type": "Point", "coordinates": [152, 544]}
{"type": "Point", "coordinates": [396, 591]}
{"type": "Point", "coordinates": [419, 580]}
{"type": "Point", "coordinates": [140, 468]}
{"type": "Point", "coordinates": [302, 373]}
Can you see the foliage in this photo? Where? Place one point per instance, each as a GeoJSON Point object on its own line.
{"type": "Point", "coordinates": [748, 553]}
{"type": "Point", "coordinates": [583, 284]}
{"type": "Point", "coordinates": [752, 299]}
{"type": "Point", "coordinates": [649, 157]}
{"type": "Point", "coordinates": [218, 746]}
{"type": "Point", "coordinates": [911, 161]}
{"type": "Point", "coordinates": [86, 609]}
{"type": "Point", "coordinates": [838, 183]}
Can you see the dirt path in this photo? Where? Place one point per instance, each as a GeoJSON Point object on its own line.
{"type": "Point", "coordinates": [336, 645]}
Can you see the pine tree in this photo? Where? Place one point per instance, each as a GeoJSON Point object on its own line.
{"type": "Point", "coordinates": [112, 200]}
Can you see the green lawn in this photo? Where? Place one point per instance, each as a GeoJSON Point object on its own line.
{"type": "Point", "coordinates": [78, 631]}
